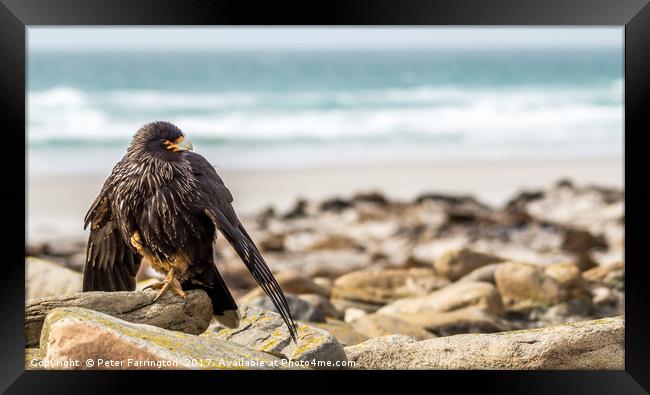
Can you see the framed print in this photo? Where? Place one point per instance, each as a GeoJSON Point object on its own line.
{"type": "Point", "coordinates": [432, 188]}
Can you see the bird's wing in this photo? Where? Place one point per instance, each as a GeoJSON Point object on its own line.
{"type": "Point", "coordinates": [216, 203]}
{"type": "Point", "coordinates": [111, 263]}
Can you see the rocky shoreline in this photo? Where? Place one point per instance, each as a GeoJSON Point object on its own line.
{"type": "Point", "coordinates": [439, 282]}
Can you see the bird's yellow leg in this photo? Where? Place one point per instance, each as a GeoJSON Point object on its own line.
{"type": "Point", "coordinates": [169, 283]}
{"type": "Point", "coordinates": [136, 241]}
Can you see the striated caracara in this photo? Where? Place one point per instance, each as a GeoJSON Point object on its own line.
{"type": "Point", "coordinates": [164, 203]}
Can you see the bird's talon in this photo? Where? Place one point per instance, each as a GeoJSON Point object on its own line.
{"type": "Point", "coordinates": [168, 283]}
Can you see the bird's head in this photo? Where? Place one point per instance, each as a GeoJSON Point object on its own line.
{"type": "Point", "coordinates": [160, 139]}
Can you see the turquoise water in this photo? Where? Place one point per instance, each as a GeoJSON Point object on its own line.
{"type": "Point", "coordinates": [287, 109]}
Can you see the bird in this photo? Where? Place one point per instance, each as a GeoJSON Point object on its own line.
{"type": "Point", "coordinates": [166, 204]}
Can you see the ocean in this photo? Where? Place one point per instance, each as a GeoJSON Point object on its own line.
{"type": "Point", "coordinates": [283, 109]}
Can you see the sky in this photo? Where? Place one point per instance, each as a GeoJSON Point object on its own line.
{"type": "Point", "coordinates": [242, 38]}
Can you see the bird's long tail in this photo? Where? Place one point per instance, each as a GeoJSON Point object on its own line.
{"type": "Point", "coordinates": [250, 255]}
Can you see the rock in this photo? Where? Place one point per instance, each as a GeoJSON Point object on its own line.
{"type": "Point", "coordinates": [376, 325]}
{"type": "Point", "coordinates": [522, 284]}
{"type": "Point", "coordinates": [265, 216]}
{"type": "Point", "coordinates": [36, 248]}
{"type": "Point", "coordinates": [344, 305]}
{"type": "Point", "coordinates": [377, 229]}
{"type": "Point", "coordinates": [334, 204]}
{"type": "Point", "coordinates": [264, 330]}
{"type": "Point", "coordinates": [372, 197]}
{"type": "Point", "coordinates": [353, 313]}
{"type": "Point", "coordinates": [290, 282]}
{"type": "Point", "coordinates": [299, 210]}
{"type": "Point", "coordinates": [49, 279]}
{"type": "Point", "coordinates": [604, 295]}
{"type": "Point", "coordinates": [608, 302]}
{"type": "Point", "coordinates": [566, 273]}
{"type": "Point", "coordinates": [272, 242]}
{"type": "Point", "coordinates": [74, 262]}
{"type": "Point", "coordinates": [77, 334]}
{"type": "Point", "coordinates": [588, 208]}
{"type": "Point", "coordinates": [239, 279]}
{"type": "Point", "coordinates": [385, 285]}
{"type": "Point", "coordinates": [467, 320]}
{"type": "Point", "coordinates": [309, 241]}
{"type": "Point", "coordinates": [77, 262]}
{"type": "Point", "coordinates": [569, 276]}
{"type": "Point", "coordinates": [393, 252]}
{"type": "Point", "coordinates": [321, 303]}
{"type": "Point", "coordinates": [612, 275]}
{"type": "Point", "coordinates": [455, 264]}
{"type": "Point", "coordinates": [534, 242]}
{"type": "Point", "coordinates": [344, 333]}
{"type": "Point", "coordinates": [191, 315]}
{"type": "Point", "coordinates": [65, 247]}
{"type": "Point", "coordinates": [593, 217]}
{"type": "Point", "coordinates": [483, 273]}
{"type": "Point", "coordinates": [456, 296]}
{"type": "Point", "coordinates": [459, 211]}
{"type": "Point", "coordinates": [570, 311]}
{"type": "Point", "coordinates": [451, 200]}
{"type": "Point", "coordinates": [514, 212]}
{"type": "Point", "coordinates": [582, 241]}
{"type": "Point", "coordinates": [325, 283]}
{"type": "Point", "coordinates": [593, 345]}
{"type": "Point", "coordinates": [428, 252]}
{"type": "Point", "coordinates": [300, 309]}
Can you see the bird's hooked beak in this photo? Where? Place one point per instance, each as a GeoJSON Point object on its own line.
{"type": "Point", "coordinates": [182, 144]}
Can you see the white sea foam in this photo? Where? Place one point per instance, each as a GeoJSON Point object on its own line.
{"type": "Point", "coordinates": [481, 115]}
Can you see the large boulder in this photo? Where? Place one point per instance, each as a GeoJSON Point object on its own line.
{"type": "Point", "coordinates": [522, 284]}
{"type": "Point", "coordinates": [265, 331]}
{"type": "Point", "coordinates": [385, 285]}
{"type": "Point", "coordinates": [456, 296]}
{"type": "Point", "coordinates": [377, 325]}
{"type": "Point", "coordinates": [454, 264]}
{"type": "Point", "coordinates": [44, 278]}
{"type": "Point", "coordinates": [592, 345]}
{"type": "Point", "coordinates": [98, 341]}
{"type": "Point", "coordinates": [191, 315]}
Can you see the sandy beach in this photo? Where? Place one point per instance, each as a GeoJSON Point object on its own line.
{"type": "Point", "coordinates": [57, 203]}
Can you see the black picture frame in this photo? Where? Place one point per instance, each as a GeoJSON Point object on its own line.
{"type": "Point", "coordinates": [16, 15]}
